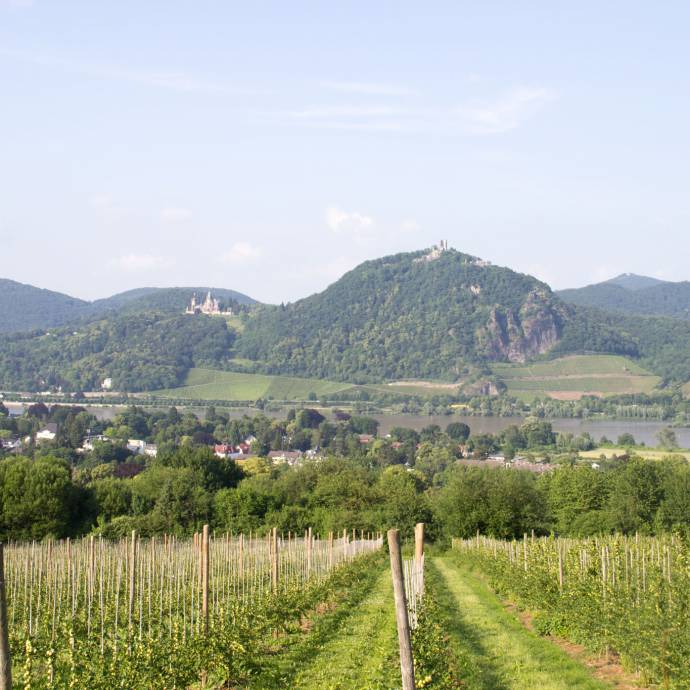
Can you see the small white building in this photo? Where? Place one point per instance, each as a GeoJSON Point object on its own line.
{"type": "Point", "coordinates": [47, 433]}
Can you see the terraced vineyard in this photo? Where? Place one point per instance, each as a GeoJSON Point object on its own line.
{"type": "Point", "coordinates": [569, 378]}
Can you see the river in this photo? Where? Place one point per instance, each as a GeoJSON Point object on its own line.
{"type": "Point", "coordinates": [644, 432]}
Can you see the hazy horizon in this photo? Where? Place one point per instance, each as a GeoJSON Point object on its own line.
{"type": "Point", "coordinates": [269, 150]}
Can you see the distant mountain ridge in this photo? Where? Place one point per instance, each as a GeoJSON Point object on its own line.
{"type": "Point", "coordinates": [634, 295]}
{"type": "Point", "coordinates": [433, 315]}
{"type": "Point", "coordinates": [26, 308]}
{"type": "Point", "coordinates": [633, 281]}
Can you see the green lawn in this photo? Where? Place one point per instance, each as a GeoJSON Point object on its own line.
{"type": "Point", "coordinates": [571, 377]}
{"type": "Point", "coordinates": [209, 384]}
{"type": "Point", "coordinates": [494, 650]}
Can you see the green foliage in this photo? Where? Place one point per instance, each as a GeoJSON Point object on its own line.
{"type": "Point", "coordinates": [626, 595]}
{"type": "Point", "coordinates": [139, 352]}
{"type": "Point", "coordinates": [37, 499]}
{"type": "Point", "coordinates": [396, 318]}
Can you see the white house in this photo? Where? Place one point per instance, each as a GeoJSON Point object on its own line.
{"type": "Point", "coordinates": [47, 433]}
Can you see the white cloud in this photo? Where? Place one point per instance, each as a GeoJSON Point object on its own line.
{"type": "Point", "coordinates": [240, 252]}
{"type": "Point", "coordinates": [367, 88]}
{"type": "Point", "coordinates": [505, 113]}
{"type": "Point", "coordinates": [175, 215]}
{"type": "Point", "coordinates": [133, 263]}
{"type": "Point", "coordinates": [339, 220]}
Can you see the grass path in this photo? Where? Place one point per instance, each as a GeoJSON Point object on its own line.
{"type": "Point", "coordinates": [495, 651]}
{"type": "Point", "coordinates": [358, 658]}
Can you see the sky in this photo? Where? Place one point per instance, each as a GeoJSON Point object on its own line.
{"type": "Point", "coordinates": [269, 147]}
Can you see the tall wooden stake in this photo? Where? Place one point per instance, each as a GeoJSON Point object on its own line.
{"type": "Point", "coordinates": [204, 578]}
{"type": "Point", "coordinates": [406, 661]}
{"type": "Point", "coordinates": [5, 661]}
{"type": "Point", "coordinates": [419, 543]}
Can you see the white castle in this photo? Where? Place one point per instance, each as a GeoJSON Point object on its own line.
{"type": "Point", "coordinates": [210, 306]}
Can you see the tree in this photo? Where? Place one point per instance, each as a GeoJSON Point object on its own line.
{"type": "Point", "coordinates": [38, 499]}
{"type": "Point", "coordinates": [667, 438]}
{"type": "Point", "coordinates": [458, 431]}
{"type": "Point", "coordinates": [626, 440]}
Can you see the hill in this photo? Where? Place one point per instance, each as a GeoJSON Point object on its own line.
{"type": "Point", "coordinates": [633, 281]}
{"type": "Point", "coordinates": [25, 307]}
{"type": "Point", "coordinates": [440, 315]}
{"type": "Point", "coordinates": [634, 295]}
{"type": "Point", "coordinates": [421, 319]}
{"type": "Point", "coordinates": [145, 351]}
{"type": "Point", "coordinates": [173, 299]}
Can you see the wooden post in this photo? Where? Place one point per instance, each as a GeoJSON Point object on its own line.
{"type": "Point", "coordinates": [204, 578]}
{"type": "Point", "coordinates": [132, 579]}
{"type": "Point", "coordinates": [330, 550]}
{"type": "Point", "coordinates": [419, 543]}
{"type": "Point", "coordinates": [274, 560]}
{"type": "Point", "coordinates": [309, 552]}
{"type": "Point", "coordinates": [5, 660]}
{"type": "Point", "coordinates": [406, 661]}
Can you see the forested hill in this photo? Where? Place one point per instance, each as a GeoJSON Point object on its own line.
{"type": "Point", "coordinates": [406, 316]}
{"type": "Point", "coordinates": [27, 308]}
{"type": "Point", "coordinates": [636, 295]}
{"type": "Point", "coordinates": [173, 299]}
{"type": "Point", "coordinates": [139, 352]}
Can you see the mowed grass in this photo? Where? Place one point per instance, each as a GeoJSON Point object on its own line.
{"type": "Point", "coordinates": [494, 649]}
{"type": "Point", "coordinates": [209, 384]}
{"type": "Point", "coordinates": [572, 377]}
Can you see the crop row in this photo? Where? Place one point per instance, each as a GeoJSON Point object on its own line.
{"type": "Point", "coordinates": [159, 612]}
{"type": "Point", "coordinates": [618, 594]}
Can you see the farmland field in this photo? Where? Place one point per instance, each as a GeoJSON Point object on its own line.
{"type": "Point", "coordinates": [647, 454]}
{"type": "Point", "coordinates": [572, 377]}
{"type": "Point", "coordinates": [209, 384]}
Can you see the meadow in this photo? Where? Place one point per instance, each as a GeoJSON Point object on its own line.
{"type": "Point", "coordinates": [210, 384]}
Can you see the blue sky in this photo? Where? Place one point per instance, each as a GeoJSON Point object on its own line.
{"type": "Point", "coordinates": [269, 147]}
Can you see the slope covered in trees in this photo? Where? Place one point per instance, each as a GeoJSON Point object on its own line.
{"type": "Point", "coordinates": [143, 351]}
{"type": "Point", "coordinates": [26, 308]}
{"type": "Point", "coordinates": [634, 295]}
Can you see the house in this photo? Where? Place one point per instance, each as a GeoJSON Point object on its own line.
{"type": "Point", "coordinates": [287, 456]}
{"type": "Point", "coordinates": [136, 446]}
{"type": "Point", "coordinates": [223, 450]}
{"type": "Point", "coordinates": [47, 433]}
{"type": "Point", "coordinates": [88, 443]}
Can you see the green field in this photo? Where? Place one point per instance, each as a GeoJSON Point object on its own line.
{"type": "Point", "coordinates": [646, 453]}
{"type": "Point", "coordinates": [209, 384]}
{"type": "Point", "coordinates": [571, 377]}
